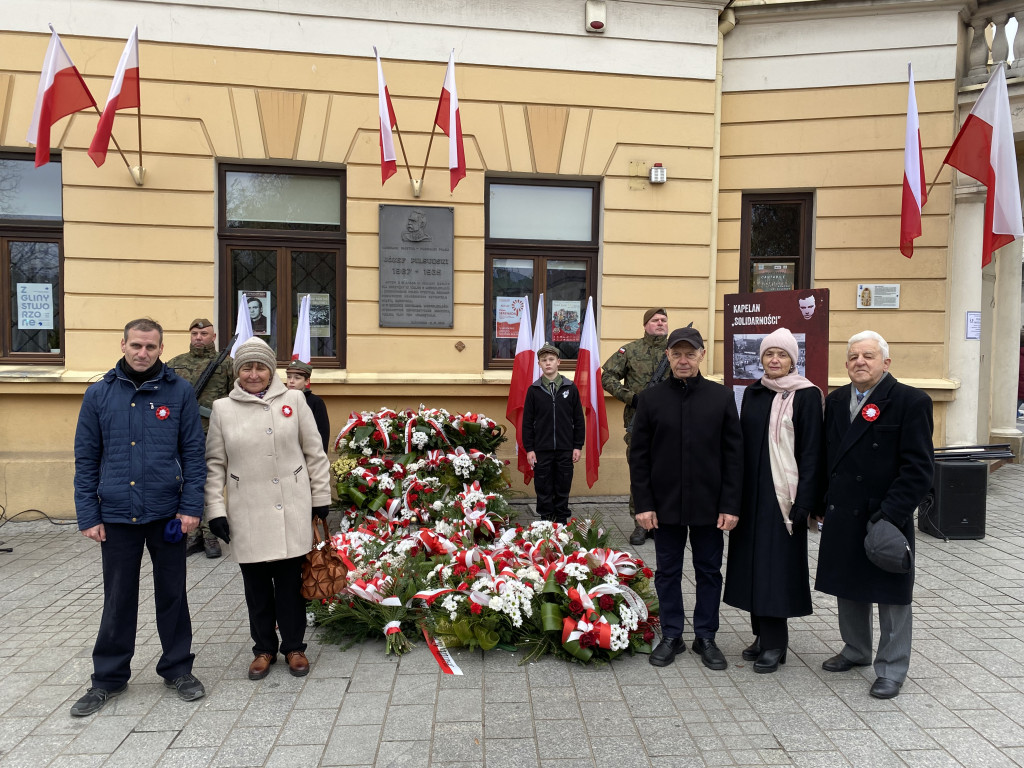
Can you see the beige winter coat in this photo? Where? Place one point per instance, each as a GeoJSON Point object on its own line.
{"type": "Point", "coordinates": [270, 457]}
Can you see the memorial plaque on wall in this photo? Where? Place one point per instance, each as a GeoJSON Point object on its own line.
{"type": "Point", "coordinates": [417, 270]}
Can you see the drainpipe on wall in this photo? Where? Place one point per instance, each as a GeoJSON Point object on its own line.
{"type": "Point", "coordinates": [726, 21]}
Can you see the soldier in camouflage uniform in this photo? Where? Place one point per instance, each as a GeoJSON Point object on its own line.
{"type": "Point", "coordinates": [190, 365]}
{"type": "Point", "coordinates": [629, 371]}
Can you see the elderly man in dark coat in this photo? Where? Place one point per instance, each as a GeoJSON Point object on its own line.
{"type": "Point", "coordinates": [686, 469]}
{"type": "Point", "coordinates": [878, 436]}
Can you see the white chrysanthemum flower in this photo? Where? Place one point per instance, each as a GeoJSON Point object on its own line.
{"type": "Point", "coordinates": [420, 439]}
{"type": "Point", "coordinates": [385, 482]}
{"type": "Point", "coordinates": [367, 452]}
{"type": "Point", "coordinates": [377, 462]}
{"type": "Point", "coordinates": [437, 506]}
{"type": "Point", "coordinates": [310, 619]}
{"type": "Point", "coordinates": [611, 578]}
{"type": "Point", "coordinates": [496, 604]}
{"type": "Point", "coordinates": [442, 528]}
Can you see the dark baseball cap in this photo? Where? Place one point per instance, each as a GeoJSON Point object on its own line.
{"type": "Point", "coordinates": [690, 335]}
{"type": "Point", "coordinates": [200, 322]}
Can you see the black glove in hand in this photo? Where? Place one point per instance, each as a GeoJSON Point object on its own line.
{"type": "Point", "coordinates": [798, 516]}
{"type": "Point", "coordinates": [220, 528]}
{"type": "Point", "coordinates": [321, 512]}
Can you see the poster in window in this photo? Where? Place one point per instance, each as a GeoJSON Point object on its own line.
{"type": "Point", "coordinates": [565, 321]}
{"type": "Point", "coordinates": [259, 310]}
{"type": "Point", "coordinates": [319, 313]}
{"type": "Point", "coordinates": [35, 306]}
{"type": "Point", "coordinates": [507, 315]}
{"type": "Point", "coordinates": [749, 317]}
{"type": "Point", "coordinates": [771, 276]}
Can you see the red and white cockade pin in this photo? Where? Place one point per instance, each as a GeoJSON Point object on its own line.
{"type": "Point", "coordinates": [163, 412]}
{"type": "Point", "coordinates": [870, 412]}
{"type": "Point", "coordinates": [286, 410]}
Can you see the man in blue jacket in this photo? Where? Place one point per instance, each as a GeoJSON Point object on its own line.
{"type": "Point", "coordinates": [140, 469]}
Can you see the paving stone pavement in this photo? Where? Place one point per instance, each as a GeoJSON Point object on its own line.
{"type": "Point", "coordinates": [962, 705]}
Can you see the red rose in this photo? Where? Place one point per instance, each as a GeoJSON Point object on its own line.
{"type": "Point", "coordinates": [475, 608]}
{"type": "Point", "coordinates": [413, 496]}
{"type": "Point", "coordinates": [588, 639]}
{"type": "Point", "coordinates": [351, 605]}
{"type": "Point", "coordinates": [607, 602]}
{"type": "Point", "coordinates": [560, 577]}
{"type": "Point", "coordinates": [377, 435]}
{"type": "Point", "coordinates": [601, 571]}
{"type": "Point", "coordinates": [647, 572]}
{"type": "Point", "coordinates": [388, 463]}
{"type": "Point", "coordinates": [575, 606]}
{"type": "Point", "coordinates": [648, 635]}
{"type": "Point", "coordinates": [363, 461]}
{"type": "Point", "coordinates": [362, 489]}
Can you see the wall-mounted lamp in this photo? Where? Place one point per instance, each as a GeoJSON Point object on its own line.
{"type": "Point", "coordinates": [659, 174]}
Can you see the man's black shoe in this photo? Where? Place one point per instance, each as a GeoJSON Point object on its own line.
{"type": "Point", "coordinates": [194, 543]}
{"type": "Point", "coordinates": [639, 536]}
{"type": "Point", "coordinates": [709, 653]}
{"type": "Point", "coordinates": [840, 663]}
{"type": "Point", "coordinates": [212, 546]}
{"type": "Point", "coordinates": [94, 700]}
{"type": "Point", "coordinates": [188, 687]}
{"type": "Point", "coordinates": [666, 651]}
{"type": "Point", "coordinates": [883, 688]}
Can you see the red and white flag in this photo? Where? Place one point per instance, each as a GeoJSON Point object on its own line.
{"type": "Point", "coordinates": [243, 324]}
{"type": "Point", "coordinates": [62, 92]}
{"type": "Point", "coordinates": [538, 337]}
{"type": "Point", "coordinates": [588, 382]}
{"type": "Point", "coordinates": [914, 194]}
{"type": "Point", "coordinates": [522, 378]}
{"type": "Point", "coordinates": [124, 94]}
{"type": "Point", "coordinates": [984, 151]}
{"type": "Point", "coordinates": [448, 120]}
{"type": "Point", "coordinates": [300, 349]}
{"type": "Point", "coordinates": [388, 159]}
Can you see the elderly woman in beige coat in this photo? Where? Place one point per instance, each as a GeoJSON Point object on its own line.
{"type": "Point", "coordinates": [264, 448]}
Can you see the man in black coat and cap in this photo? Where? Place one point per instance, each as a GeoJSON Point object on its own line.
{"type": "Point", "coordinates": [686, 470]}
{"type": "Point", "coordinates": [878, 439]}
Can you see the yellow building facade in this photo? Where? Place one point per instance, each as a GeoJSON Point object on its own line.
{"type": "Point", "coordinates": [711, 96]}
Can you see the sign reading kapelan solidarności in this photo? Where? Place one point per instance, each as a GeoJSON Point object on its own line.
{"type": "Point", "coordinates": [417, 270]}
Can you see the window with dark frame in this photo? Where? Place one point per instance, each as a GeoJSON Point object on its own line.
{"type": "Point", "coordinates": [31, 261]}
{"type": "Point", "coordinates": [282, 236]}
{"type": "Point", "coordinates": [541, 238]}
{"type": "Point", "coordinates": [775, 241]}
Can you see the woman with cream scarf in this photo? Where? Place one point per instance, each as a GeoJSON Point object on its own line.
{"type": "Point", "coordinates": [783, 486]}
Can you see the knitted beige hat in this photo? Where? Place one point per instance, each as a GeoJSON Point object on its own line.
{"type": "Point", "coordinates": [255, 350]}
{"type": "Point", "coordinates": [782, 339]}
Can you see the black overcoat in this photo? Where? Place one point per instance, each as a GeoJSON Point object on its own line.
{"type": "Point", "coordinates": [686, 453]}
{"type": "Point", "coordinates": [885, 464]}
{"type": "Point", "coordinates": [767, 569]}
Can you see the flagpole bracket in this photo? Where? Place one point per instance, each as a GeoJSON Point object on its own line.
{"type": "Point", "coordinates": [417, 187]}
{"type": "Point", "coordinates": [138, 174]}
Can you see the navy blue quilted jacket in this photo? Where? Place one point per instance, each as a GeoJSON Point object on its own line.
{"type": "Point", "coordinates": [139, 453]}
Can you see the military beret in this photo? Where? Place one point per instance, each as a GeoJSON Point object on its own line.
{"type": "Point", "coordinates": [200, 322]}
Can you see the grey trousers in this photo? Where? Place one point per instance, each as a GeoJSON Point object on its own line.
{"type": "Point", "coordinates": [894, 622]}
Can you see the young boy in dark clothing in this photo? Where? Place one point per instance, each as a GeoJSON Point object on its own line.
{"type": "Point", "coordinates": [553, 435]}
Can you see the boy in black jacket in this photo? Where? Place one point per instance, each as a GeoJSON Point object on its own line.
{"type": "Point", "coordinates": [553, 435]}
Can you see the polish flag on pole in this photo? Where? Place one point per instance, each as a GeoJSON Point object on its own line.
{"type": "Point", "coordinates": [300, 350]}
{"type": "Point", "coordinates": [522, 378]}
{"type": "Point", "coordinates": [243, 325]}
{"type": "Point", "coordinates": [538, 337]}
{"type": "Point", "coordinates": [448, 120]}
{"type": "Point", "coordinates": [124, 94]}
{"type": "Point", "coordinates": [62, 92]}
{"type": "Point", "coordinates": [388, 159]}
{"type": "Point", "coordinates": [914, 194]}
{"type": "Point", "coordinates": [984, 151]}
{"type": "Point", "coordinates": [588, 382]}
